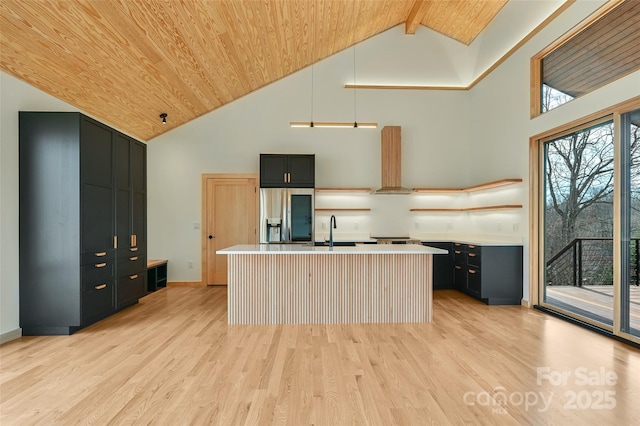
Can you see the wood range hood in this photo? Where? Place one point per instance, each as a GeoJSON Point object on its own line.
{"type": "Point", "coordinates": [391, 161]}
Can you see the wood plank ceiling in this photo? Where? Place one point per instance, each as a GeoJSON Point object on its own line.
{"type": "Point", "coordinates": [125, 62]}
{"type": "Point", "coordinates": [612, 43]}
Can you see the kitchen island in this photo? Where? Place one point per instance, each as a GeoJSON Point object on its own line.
{"type": "Point", "coordinates": [303, 284]}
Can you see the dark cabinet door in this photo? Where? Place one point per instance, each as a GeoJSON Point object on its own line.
{"type": "Point", "coordinates": [96, 194]}
{"type": "Point", "coordinates": [473, 281]}
{"type": "Point", "coordinates": [138, 222]}
{"type": "Point", "coordinates": [301, 169]}
{"type": "Point", "coordinates": [442, 266]}
{"type": "Point", "coordinates": [131, 195]}
{"type": "Point", "coordinates": [123, 195]}
{"type": "Point", "coordinates": [273, 170]}
{"type": "Point", "coordinates": [138, 166]}
{"type": "Point", "coordinates": [460, 277]}
{"type": "Point", "coordinates": [287, 171]}
{"type": "Point", "coordinates": [97, 219]}
{"type": "Point", "coordinates": [96, 153]}
{"type": "Point", "coordinates": [129, 288]}
{"type": "Point", "coordinates": [138, 173]}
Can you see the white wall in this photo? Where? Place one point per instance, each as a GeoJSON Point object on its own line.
{"type": "Point", "coordinates": [15, 95]}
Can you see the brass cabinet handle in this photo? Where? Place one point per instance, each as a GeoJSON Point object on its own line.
{"type": "Point", "coordinates": [133, 249]}
{"type": "Point", "coordinates": [472, 255]}
{"type": "Point", "coordinates": [457, 244]}
{"type": "Point", "coordinates": [457, 251]}
{"type": "Point", "coordinates": [133, 277]}
{"type": "Point", "coordinates": [284, 177]}
{"type": "Point", "coordinates": [458, 267]}
{"type": "Point", "coordinates": [288, 177]}
{"type": "Point", "coordinates": [472, 246]}
{"type": "Point", "coordinates": [102, 253]}
{"type": "Point", "coordinates": [100, 265]}
{"type": "Point", "coordinates": [101, 286]}
{"type": "Point", "coordinates": [132, 241]}
{"type": "Point", "coordinates": [133, 258]}
{"type": "Point", "coordinates": [135, 240]}
{"type": "Point", "coordinates": [115, 241]}
{"type": "Point", "coordinates": [472, 271]}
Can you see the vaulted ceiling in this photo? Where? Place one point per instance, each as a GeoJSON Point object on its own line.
{"type": "Point", "coordinates": [126, 61]}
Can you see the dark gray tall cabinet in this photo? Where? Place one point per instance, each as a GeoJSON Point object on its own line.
{"type": "Point", "coordinates": [82, 222]}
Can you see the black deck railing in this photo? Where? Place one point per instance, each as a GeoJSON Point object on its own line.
{"type": "Point", "coordinates": [589, 261]}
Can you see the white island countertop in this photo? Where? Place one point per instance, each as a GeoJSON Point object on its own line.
{"type": "Point", "coordinates": [310, 249]}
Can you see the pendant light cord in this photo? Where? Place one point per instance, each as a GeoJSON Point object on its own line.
{"type": "Point", "coordinates": [355, 121]}
{"type": "Point", "coordinates": [313, 32]}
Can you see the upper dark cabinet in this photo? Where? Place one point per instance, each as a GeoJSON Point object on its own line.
{"type": "Point", "coordinates": [287, 171]}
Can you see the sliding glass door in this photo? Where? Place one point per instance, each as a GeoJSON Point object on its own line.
{"type": "Point", "coordinates": [630, 223]}
{"type": "Point", "coordinates": [578, 222]}
{"type": "Point", "coordinates": [589, 210]}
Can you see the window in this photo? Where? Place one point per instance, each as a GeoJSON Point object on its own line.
{"type": "Point", "coordinates": [605, 47]}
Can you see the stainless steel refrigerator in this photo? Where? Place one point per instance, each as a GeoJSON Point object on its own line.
{"type": "Point", "coordinates": [287, 215]}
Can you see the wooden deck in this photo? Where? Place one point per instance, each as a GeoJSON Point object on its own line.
{"type": "Point", "coordinates": [596, 300]}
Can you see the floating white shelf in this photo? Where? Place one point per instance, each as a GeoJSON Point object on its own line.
{"type": "Point", "coordinates": [483, 186]}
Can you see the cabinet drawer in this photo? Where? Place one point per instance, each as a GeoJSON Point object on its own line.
{"type": "Point", "coordinates": [97, 257]}
{"type": "Point", "coordinates": [459, 256]}
{"type": "Point", "coordinates": [131, 265]}
{"type": "Point", "coordinates": [473, 281]}
{"type": "Point", "coordinates": [473, 258]}
{"type": "Point", "coordinates": [122, 252]}
{"type": "Point", "coordinates": [97, 273]}
{"type": "Point", "coordinates": [460, 277]}
{"type": "Point", "coordinates": [130, 288]}
{"type": "Point", "coordinates": [97, 302]}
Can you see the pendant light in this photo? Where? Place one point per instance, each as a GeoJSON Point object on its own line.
{"type": "Point", "coordinates": [337, 124]}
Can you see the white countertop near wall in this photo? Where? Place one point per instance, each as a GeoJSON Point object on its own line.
{"type": "Point", "coordinates": [478, 239]}
{"type": "Point", "coordinates": [310, 249]}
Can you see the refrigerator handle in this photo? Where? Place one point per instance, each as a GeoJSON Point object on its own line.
{"type": "Point", "coordinates": [283, 215]}
{"type": "Point", "coordinates": [289, 224]}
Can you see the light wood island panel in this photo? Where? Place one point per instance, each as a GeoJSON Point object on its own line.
{"type": "Point", "coordinates": [331, 287]}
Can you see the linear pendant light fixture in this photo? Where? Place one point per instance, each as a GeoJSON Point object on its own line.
{"type": "Point", "coordinates": [335, 124]}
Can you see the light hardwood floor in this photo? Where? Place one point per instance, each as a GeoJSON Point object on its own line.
{"type": "Point", "coordinates": [173, 360]}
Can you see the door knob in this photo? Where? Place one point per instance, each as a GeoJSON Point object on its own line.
{"type": "Point", "coordinates": [210, 237]}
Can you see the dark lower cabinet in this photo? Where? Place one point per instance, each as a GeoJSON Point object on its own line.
{"type": "Point", "coordinates": [443, 275]}
{"type": "Point", "coordinates": [130, 288]}
{"type": "Point", "coordinates": [77, 212]}
{"type": "Point", "coordinates": [492, 274]}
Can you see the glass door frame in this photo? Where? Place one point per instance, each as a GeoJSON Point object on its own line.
{"type": "Point", "coordinates": [536, 214]}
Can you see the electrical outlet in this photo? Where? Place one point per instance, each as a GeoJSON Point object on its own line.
{"type": "Point", "coordinates": [190, 264]}
{"type": "Point", "coordinates": [356, 226]}
{"type": "Point", "coordinates": [499, 226]}
{"type": "Point", "coordinates": [324, 226]}
{"type": "Point", "coordinates": [516, 226]}
{"type": "Point", "coordinates": [449, 225]}
{"type": "Point", "coordinates": [196, 225]}
{"type": "Point", "coordinates": [416, 226]}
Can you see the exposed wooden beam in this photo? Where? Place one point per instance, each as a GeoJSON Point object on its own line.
{"type": "Point", "coordinates": [417, 14]}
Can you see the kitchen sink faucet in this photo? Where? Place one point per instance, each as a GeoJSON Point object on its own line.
{"type": "Point", "coordinates": [332, 221]}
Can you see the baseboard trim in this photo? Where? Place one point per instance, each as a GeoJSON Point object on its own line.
{"type": "Point", "coordinates": [10, 335]}
{"type": "Point", "coordinates": [525, 303]}
{"type": "Point", "coordinates": [186, 284]}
